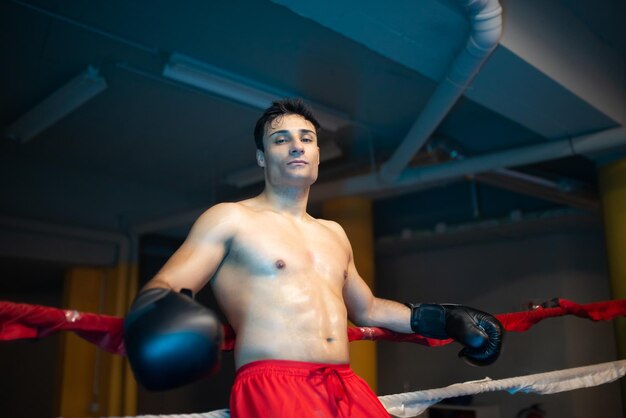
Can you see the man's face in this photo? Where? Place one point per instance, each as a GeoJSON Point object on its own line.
{"type": "Point", "coordinates": [291, 156]}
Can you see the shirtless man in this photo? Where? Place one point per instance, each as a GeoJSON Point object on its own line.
{"type": "Point", "coordinates": [287, 284]}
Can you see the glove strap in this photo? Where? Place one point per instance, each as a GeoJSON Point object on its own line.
{"type": "Point", "coordinates": [429, 320]}
{"type": "Point", "coordinates": [146, 300]}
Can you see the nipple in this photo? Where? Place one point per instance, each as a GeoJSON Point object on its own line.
{"type": "Point", "coordinates": [280, 264]}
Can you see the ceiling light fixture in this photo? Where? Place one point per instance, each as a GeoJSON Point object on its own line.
{"type": "Point", "coordinates": [58, 105]}
{"type": "Point", "coordinates": [241, 89]}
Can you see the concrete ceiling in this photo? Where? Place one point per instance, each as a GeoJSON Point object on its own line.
{"type": "Point", "coordinates": [149, 149]}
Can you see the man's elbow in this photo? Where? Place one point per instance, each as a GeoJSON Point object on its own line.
{"type": "Point", "coordinates": [362, 317]}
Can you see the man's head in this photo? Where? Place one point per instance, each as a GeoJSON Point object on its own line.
{"type": "Point", "coordinates": [287, 149]}
{"type": "Point", "coordinates": [279, 109]}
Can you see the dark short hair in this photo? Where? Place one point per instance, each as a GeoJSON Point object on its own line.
{"type": "Point", "coordinates": [277, 109]}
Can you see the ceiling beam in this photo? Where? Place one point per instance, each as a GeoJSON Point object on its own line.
{"type": "Point", "coordinates": [423, 177]}
{"type": "Point", "coordinates": [566, 68]}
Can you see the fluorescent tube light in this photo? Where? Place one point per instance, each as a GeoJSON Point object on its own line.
{"type": "Point", "coordinates": [224, 83]}
{"type": "Point", "coordinates": [58, 105]}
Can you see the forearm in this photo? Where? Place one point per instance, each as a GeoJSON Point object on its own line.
{"type": "Point", "coordinates": [158, 282]}
{"type": "Point", "coordinates": [176, 281]}
{"type": "Point", "coordinates": [387, 314]}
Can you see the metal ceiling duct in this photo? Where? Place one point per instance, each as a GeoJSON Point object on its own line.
{"type": "Point", "coordinates": [486, 28]}
{"type": "Point", "coordinates": [585, 145]}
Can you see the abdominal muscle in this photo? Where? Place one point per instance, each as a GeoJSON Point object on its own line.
{"type": "Point", "coordinates": [284, 317]}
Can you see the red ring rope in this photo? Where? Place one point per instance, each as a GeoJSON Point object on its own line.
{"type": "Point", "coordinates": [24, 321]}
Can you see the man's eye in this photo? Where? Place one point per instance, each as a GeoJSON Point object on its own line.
{"type": "Point", "coordinates": [307, 139]}
{"type": "Point", "coordinates": [280, 141]}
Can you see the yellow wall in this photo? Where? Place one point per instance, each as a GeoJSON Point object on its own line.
{"type": "Point", "coordinates": [612, 181]}
{"type": "Point", "coordinates": [93, 382]}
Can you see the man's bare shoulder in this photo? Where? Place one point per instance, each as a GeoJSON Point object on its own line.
{"type": "Point", "coordinates": [329, 224]}
{"type": "Point", "coordinates": [222, 211]}
{"type": "Point", "coordinates": [335, 228]}
{"type": "Point", "coordinates": [221, 217]}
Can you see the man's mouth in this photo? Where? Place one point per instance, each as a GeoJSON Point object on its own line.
{"type": "Point", "coordinates": [297, 162]}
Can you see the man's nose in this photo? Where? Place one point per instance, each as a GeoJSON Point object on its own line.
{"type": "Point", "coordinates": [296, 148]}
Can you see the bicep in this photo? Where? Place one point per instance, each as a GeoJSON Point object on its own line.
{"type": "Point", "coordinates": [357, 296]}
{"type": "Point", "coordinates": [191, 266]}
{"type": "Point", "coordinates": [366, 310]}
{"type": "Point", "coordinates": [199, 257]}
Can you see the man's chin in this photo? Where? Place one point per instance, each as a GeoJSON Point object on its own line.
{"type": "Point", "coordinates": [298, 181]}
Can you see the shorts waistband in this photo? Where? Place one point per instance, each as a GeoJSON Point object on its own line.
{"type": "Point", "coordinates": [291, 367]}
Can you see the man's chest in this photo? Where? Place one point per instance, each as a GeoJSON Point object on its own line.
{"type": "Point", "coordinates": [281, 249]}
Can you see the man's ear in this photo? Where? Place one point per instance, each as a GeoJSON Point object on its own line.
{"type": "Point", "coordinates": [260, 158]}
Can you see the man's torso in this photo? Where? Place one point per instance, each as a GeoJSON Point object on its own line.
{"type": "Point", "coordinates": [280, 286]}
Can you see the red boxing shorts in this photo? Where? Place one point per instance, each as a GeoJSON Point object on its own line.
{"type": "Point", "coordinates": [290, 389]}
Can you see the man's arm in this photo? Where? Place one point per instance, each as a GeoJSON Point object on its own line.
{"type": "Point", "coordinates": [170, 339]}
{"type": "Point", "coordinates": [364, 309]}
{"type": "Point", "coordinates": [197, 259]}
{"type": "Point", "coordinates": [479, 332]}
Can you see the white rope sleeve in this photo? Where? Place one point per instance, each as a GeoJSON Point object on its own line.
{"type": "Point", "coordinates": [411, 404]}
{"type": "Point", "coordinates": [221, 413]}
{"type": "Point", "coordinates": [414, 403]}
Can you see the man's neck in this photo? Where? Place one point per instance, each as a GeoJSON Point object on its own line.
{"type": "Point", "coordinates": [288, 200]}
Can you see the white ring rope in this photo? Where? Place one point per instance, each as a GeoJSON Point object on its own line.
{"type": "Point", "coordinates": [414, 403]}
{"type": "Point", "coordinates": [221, 413]}
{"type": "Point", "coordinates": [411, 404]}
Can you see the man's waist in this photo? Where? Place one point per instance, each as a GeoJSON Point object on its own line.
{"type": "Point", "coordinates": [292, 367]}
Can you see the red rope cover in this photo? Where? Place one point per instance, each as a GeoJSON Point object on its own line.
{"type": "Point", "coordinates": [24, 321]}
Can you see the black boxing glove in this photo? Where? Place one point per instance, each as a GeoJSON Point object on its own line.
{"type": "Point", "coordinates": [479, 332]}
{"type": "Point", "coordinates": [171, 340]}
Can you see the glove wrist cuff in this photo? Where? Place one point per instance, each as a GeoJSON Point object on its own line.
{"type": "Point", "coordinates": [429, 320]}
{"type": "Point", "coordinates": [148, 297]}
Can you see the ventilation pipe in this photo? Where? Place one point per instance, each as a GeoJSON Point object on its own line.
{"type": "Point", "coordinates": [486, 28]}
{"type": "Point", "coordinates": [585, 145]}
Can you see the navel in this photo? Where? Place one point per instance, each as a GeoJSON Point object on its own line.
{"type": "Point", "coordinates": [345, 274]}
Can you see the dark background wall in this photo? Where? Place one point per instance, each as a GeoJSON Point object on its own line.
{"type": "Point", "coordinates": [29, 369]}
{"type": "Point", "coordinates": [503, 276]}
